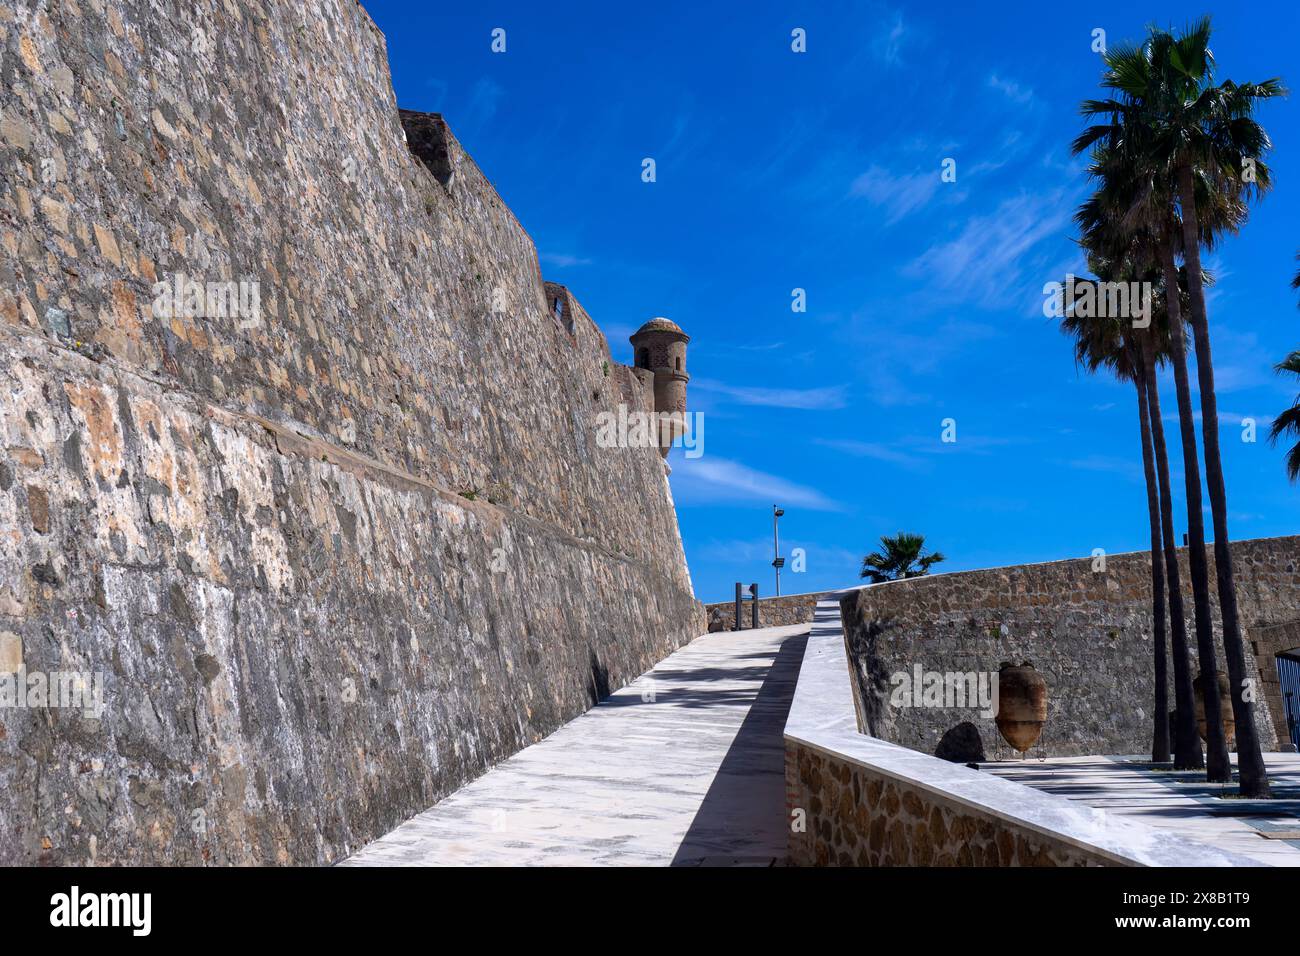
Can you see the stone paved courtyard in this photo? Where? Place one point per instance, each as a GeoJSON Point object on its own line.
{"type": "Point", "coordinates": [1182, 802]}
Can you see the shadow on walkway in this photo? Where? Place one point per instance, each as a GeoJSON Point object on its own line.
{"type": "Point", "coordinates": [701, 690]}
{"type": "Point", "coordinates": [742, 819]}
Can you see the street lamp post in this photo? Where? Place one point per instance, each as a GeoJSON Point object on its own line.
{"type": "Point", "coordinates": [778, 562]}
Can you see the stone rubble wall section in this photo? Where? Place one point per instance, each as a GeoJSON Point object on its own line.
{"type": "Point", "coordinates": [1088, 633]}
{"type": "Point", "coordinates": [856, 816]}
{"type": "Point", "coordinates": [772, 612]}
{"type": "Point", "coordinates": [854, 799]}
{"type": "Point", "coordinates": [332, 564]}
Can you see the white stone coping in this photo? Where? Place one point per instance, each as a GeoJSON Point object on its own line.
{"type": "Point", "coordinates": [822, 717]}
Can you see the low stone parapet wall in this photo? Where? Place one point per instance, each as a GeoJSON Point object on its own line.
{"type": "Point", "coordinates": [1085, 625]}
{"type": "Point", "coordinates": [772, 612]}
{"type": "Point", "coordinates": [854, 800]}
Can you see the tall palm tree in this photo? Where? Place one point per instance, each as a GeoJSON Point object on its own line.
{"type": "Point", "coordinates": [1197, 143]}
{"type": "Point", "coordinates": [901, 556]}
{"type": "Point", "coordinates": [1128, 212]}
{"type": "Point", "coordinates": [1198, 128]}
{"type": "Point", "coordinates": [1114, 344]}
{"type": "Point", "coordinates": [1160, 667]}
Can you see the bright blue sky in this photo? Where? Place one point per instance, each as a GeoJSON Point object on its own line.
{"type": "Point", "coordinates": [821, 170]}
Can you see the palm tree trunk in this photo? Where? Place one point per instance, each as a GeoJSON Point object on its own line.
{"type": "Point", "coordinates": [1218, 769]}
{"type": "Point", "coordinates": [1250, 762]}
{"type": "Point", "coordinates": [1187, 745]}
{"type": "Point", "coordinates": [1160, 733]}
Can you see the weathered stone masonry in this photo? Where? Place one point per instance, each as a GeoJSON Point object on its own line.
{"type": "Point", "coordinates": [332, 563]}
{"type": "Point", "coordinates": [857, 816]}
{"type": "Point", "coordinates": [772, 612]}
{"type": "Point", "coordinates": [1088, 633]}
{"type": "Point", "coordinates": [854, 799]}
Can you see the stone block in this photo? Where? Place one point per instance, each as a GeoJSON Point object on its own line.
{"type": "Point", "coordinates": [11, 653]}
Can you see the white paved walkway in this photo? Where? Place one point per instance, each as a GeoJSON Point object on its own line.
{"type": "Point", "coordinates": [1182, 802]}
{"type": "Point", "coordinates": [683, 767]}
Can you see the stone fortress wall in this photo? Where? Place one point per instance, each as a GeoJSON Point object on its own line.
{"type": "Point", "coordinates": [1087, 632]}
{"type": "Point", "coordinates": [330, 561]}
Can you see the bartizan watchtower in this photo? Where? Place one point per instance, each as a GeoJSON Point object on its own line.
{"type": "Point", "coordinates": [660, 347]}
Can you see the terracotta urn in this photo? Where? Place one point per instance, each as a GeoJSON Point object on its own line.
{"type": "Point", "coordinates": [1225, 707]}
{"type": "Point", "coordinates": [1022, 705]}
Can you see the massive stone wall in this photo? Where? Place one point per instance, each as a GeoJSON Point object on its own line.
{"type": "Point", "coordinates": [330, 560]}
{"type": "Point", "coordinates": [1087, 631]}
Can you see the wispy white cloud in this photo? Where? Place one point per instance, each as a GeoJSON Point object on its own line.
{"type": "Point", "coordinates": [736, 553]}
{"type": "Point", "coordinates": [712, 480]}
{"type": "Point", "coordinates": [902, 348]}
{"type": "Point", "coordinates": [874, 450]}
{"type": "Point", "coordinates": [1011, 89]}
{"type": "Point", "coordinates": [485, 97]}
{"type": "Point", "coordinates": [897, 193]}
{"type": "Point", "coordinates": [437, 92]}
{"type": "Point", "coordinates": [1235, 376]}
{"type": "Point", "coordinates": [826, 398]}
{"type": "Point", "coordinates": [563, 260]}
{"type": "Point", "coordinates": [617, 335]}
{"type": "Point", "coordinates": [681, 121]}
{"type": "Point", "coordinates": [734, 550]}
{"type": "Point", "coordinates": [1125, 467]}
{"type": "Point", "coordinates": [888, 44]}
{"type": "Point", "coordinates": [972, 444]}
{"type": "Point", "coordinates": [1236, 418]}
{"type": "Point", "coordinates": [996, 260]}
{"type": "Point", "coordinates": [910, 451]}
{"type": "Point", "coordinates": [1225, 418]}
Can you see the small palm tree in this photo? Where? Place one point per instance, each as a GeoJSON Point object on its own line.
{"type": "Point", "coordinates": [1288, 423]}
{"type": "Point", "coordinates": [901, 556]}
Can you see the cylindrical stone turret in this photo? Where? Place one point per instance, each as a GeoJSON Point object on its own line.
{"type": "Point", "coordinates": [660, 346]}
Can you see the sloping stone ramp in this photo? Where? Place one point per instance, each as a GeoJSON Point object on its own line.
{"type": "Point", "coordinates": [685, 767]}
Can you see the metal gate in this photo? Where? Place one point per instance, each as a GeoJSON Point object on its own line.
{"type": "Point", "coordinates": [1288, 669]}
